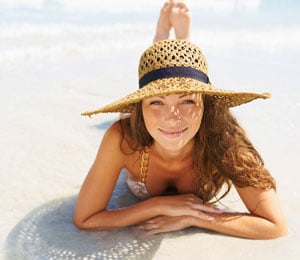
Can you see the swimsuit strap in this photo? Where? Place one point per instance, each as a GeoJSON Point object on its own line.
{"type": "Point", "coordinates": [144, 164]}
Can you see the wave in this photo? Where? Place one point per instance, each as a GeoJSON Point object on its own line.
{"type": "Point", "coordinates": [59, 41]}
{"type": "Point", "coordinates": [124, 6]}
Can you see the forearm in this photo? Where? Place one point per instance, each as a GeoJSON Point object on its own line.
{"type": "Point", "coordinates": [122, 217]}
{"type": "Point", "coordinates": [180, 205]}
{"type": "Point", "coordinates": [242, 225]}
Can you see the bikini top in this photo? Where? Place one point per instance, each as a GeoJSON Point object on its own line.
{"type": "Point", "coordinates": [138, 188]}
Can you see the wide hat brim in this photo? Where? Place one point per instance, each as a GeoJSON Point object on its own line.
{"type": "Point", "coordinates": [178, 85]}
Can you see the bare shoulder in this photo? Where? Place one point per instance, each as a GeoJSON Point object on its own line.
{"type": "Point", "coordinates": [118, 139]}
{"type": "Point", "coordinates": [108, 162]}
{"type": "Point", "coordinates": [113, 133]}
{"type": "Point", "coordinates": [110, 145]}
{"type": "Point", "coordinates": [102, 176]}
{"type": "Point", "coordinates": [115, 152]}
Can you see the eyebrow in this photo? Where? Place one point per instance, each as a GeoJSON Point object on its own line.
{"type": "Point", "coordinates": [179, 96]}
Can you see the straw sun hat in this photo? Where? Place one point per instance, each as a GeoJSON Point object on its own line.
{"type": "Point", "coordinates": [174, 67]}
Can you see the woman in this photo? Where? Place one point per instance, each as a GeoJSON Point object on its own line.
{"type": "Point", "coordinates": [179, 146]}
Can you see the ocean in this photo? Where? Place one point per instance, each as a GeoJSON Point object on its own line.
{"type": "Point", "coordinates": [59, 58]}
{"type": "Point", "coordinates": [92, 48]}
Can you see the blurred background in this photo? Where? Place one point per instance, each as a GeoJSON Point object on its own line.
{"type": "Point", "coordinates": [59, 58]}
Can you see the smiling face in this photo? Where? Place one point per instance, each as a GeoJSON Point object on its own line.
{"type": "Point", "coordinates": [173, 120]}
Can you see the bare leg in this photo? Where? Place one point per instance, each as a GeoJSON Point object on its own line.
{"type": "Point", "coordinates": [180, 19]}
{"type": "Point", "coordinates": [162, 32]}
{"type": "Point", "coordinates": [176, 14]}
{"type": "Point", "coordinates": [173, 14]}
{"type": "Point", "coordinates": [163, 24]}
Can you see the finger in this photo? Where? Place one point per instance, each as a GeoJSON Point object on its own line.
{"type": "Point", "coordinates": [197, 203]}
{"type": "Point", "coordinates": [156, 231]}
{"type": "Point", "coordinates": [150, 221]}
{"type": "Point", "coordinates": [153, 232]}
{"type": "Point", "coordinates": [153, 220]}
{"type": "Point", "coordinates": [208, 209]}
{"type": "Point", "coordinates": [148, 226]}
{"type": "Point", "coordinates": [203, 216]}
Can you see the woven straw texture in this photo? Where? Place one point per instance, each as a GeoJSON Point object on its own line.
{"type": "Point", "coordinates": [175, 53]}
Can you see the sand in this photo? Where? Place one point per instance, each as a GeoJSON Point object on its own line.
{"type": "Point", "coordinates": [48, 77]}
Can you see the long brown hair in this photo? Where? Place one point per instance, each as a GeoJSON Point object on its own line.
{"type": "Point", "coordinates": [222, 152]}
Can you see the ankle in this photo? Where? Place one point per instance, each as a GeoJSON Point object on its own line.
{"type": "Point", "coordinates": [183, 35]}
{"type": "Point", "coordinates": [159, 36]}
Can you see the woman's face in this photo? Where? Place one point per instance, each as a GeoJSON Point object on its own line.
{"type": "Point", "coordinates": [173, 120]}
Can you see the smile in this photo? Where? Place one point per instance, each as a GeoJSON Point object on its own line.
{"type": "Point", "coordinates": [173, 133]}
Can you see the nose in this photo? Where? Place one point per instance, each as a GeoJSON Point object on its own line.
{"type": "Point", "coordinates": [173, 113]}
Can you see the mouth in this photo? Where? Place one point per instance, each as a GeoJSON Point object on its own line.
{"type": "Point", "coordinates": [173, 133]}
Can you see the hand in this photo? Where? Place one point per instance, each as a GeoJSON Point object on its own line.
{"type": "Point", "coordinates": [185, 205]}
{"type": "Point", "coordinates": [164, 224]}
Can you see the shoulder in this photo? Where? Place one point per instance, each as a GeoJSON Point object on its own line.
{"type": "Point", "coordinates": [112, 137]}
{"type": "Point", "coordinates": [115, 138]}
{"type": "Point", "coordinates": [114, 131]}
{"type": "Point", "coordinates": [109, 152]}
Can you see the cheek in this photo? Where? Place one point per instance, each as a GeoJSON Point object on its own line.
{"type": "Point", "coordinates": [153, 115]}
{"type": "Point", "coordinates": [151, 118]}
{"type": "Point", "coordinates": [195, 121]}
{"type": "Point", "coordinates": [193, 114]}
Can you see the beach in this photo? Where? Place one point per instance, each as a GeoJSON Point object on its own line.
{"type": "Point", "coordinates": [60, 58]}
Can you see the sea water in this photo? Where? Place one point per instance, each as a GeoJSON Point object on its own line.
{"type": "Point", "coordinates": [92, 48]}
{"type": "Point", "coordinates": [61, 57]}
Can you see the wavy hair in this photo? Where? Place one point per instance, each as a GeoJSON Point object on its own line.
{"type": "Point", "coordinates": [222, 152]}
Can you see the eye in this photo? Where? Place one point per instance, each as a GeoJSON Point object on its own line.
{"type": "Point", "coordinates": [156, 102]}
{"type": "Point", "coordinates": [188, 101]}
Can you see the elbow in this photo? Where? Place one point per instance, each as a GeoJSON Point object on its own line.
{"type": "Point", "coordinates": [278, 231]}
{"type": "Point", "coordinates": [86, 224]}
{"type": "Point", "coordinates": [80, 224]}
{"type": "Point", "coordinates": [282, 230]}
{"type": "Point", "coordinates": [278, 234]}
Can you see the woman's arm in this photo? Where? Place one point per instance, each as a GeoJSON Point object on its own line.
{"type": "Point", "coordinates": [95, 193]}
{"type": "Point", "coordinates": [90, 211]}
{"type": "Point", "coordinates": [265, 220]}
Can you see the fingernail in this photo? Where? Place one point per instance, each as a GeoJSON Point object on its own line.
{"type": "Point", "coordinates": [210, 218]}
{"type": "Point", "coordinates": [219, 210]}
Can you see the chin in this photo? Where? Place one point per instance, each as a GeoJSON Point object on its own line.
{"type": "Point", "coordinates": [173, 144]}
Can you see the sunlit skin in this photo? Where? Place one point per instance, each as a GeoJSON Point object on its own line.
{"type": "Point", "coordinates": [173, 121]}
